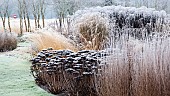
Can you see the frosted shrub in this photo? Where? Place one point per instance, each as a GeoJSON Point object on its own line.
{"type": "Point", "coordinates": [8, 41]}
{"type": "Point", "coordinates": [122, 18]}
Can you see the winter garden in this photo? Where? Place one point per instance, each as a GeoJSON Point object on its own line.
{"type": "Point", "coordinates": [85, 48]}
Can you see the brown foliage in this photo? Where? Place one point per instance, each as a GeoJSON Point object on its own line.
{"type": "Point", "coordinates": [133, 72]}
{"type": "Point", "coordinates": [8, 41]}
{"type": "Point", "coordinates": [43, 40]}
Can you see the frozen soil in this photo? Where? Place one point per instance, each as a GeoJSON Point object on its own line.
{"type": "Point", "coordinates": [15, 76]}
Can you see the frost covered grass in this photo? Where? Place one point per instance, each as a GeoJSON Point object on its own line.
{"type": "Point", "coordinates": [15, 77]}
{"type": "Point", "coordinates": [8, 41]}
{"type": "Point", "coordinates": [139, 68]}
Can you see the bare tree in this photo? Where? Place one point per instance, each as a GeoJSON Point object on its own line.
{"type": "Point", "coordinates": [42, 9]}
{"type": "Point", "coordinates": [38, 16]}
{"type": "Point", "coordinates": [26, 15]}
{"type": "Point", "coordinates": [20, 12]}
{"type": "Point", "coordinates": [63, 8]}
{"type": "Point", "coordinates": [34, 12]}
{"type": "Point", "coordinates": [60, 11]}
{"type": "Point", "coordinates": [3, 13]}
{"type": "Point", "coordinates": [38, 10]}
{"type": "Point", "coordinates": [9, 23]}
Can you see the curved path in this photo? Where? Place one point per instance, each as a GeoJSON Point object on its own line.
{"type": "Point", "coordinates": [15, 77]}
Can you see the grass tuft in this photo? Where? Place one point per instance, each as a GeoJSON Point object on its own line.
{"type": "Point", "coordinates": [8, 41]}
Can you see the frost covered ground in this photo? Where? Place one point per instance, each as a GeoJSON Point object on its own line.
{"type": "Point", "coordinates": [15, 77]}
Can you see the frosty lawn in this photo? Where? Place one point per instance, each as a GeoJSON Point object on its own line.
{"type": "Point", "coordinates": [15, 77]}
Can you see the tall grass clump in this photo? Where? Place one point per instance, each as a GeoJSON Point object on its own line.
{"type": "Point", "coordinates": [139, 68]}
{"type": "Point", "coordinates": [8, 41]}
{"type": "Point", "coordinates": [92, 30]}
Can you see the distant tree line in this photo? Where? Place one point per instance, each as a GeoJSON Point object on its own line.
{"type": "Point", "coordinates": [5, 12]}
{"type": "Point", "coordinates": [37, 9]}
{"type": "Point", "coordinates": [25, 9]}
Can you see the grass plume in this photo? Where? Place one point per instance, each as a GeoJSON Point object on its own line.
{"type": "Point", "coordinates": [93, 31]}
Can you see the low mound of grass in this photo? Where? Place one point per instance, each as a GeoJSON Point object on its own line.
{"type": "Point", "coordinates": [8, 41]}
{"type": "Point", "coordinates": [45, 39]}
